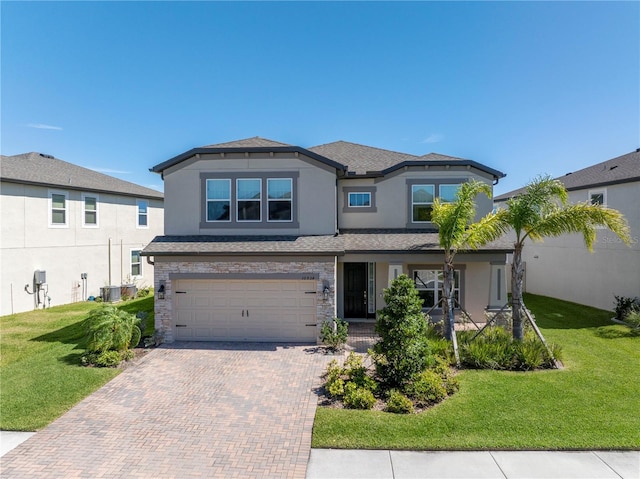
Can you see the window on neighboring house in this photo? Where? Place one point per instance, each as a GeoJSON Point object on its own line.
{"type": "Point", "coordinates": [249, 199]}
{"type": "Point", "coordinates": [219, 200]}
{"type": "Point", "coordinates": [58, 201]}
{"type": "Point", "coordinates": [143, 213]}
{"type": "Point", "coordinates": [422, 203]}
{"type": "Point", "coordinates": [429, 284]}
{"type": "Point", "coordinates": [280, 199]}
{"type": "Point", "coordinates": [136, 263]}
{"type": "Point", "coordinates": [360, 200]}
{"type": "Point", "coordinates": [598, 197]}
{"type": "Point", "coordinates": [90, 210]}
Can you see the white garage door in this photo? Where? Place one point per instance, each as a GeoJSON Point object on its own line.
{"type": "Point", "coordinates": [245, 310]}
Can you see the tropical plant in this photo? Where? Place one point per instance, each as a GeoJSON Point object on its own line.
{"type": "Point", "coordinates": [111, 329]}
{"type": "Point", "coordinates": [625, 306]}
{"type": "Point", "coordinates": [403, 347]}
{"type": "Point", "coordinates": [457, 231]}
{"type": "Point", "coordinates": [543, 211]}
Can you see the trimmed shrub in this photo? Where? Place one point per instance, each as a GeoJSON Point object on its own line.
{"type": "Point", "coordinates": [403, 348]}
{"type": "Point", "coordinates": [334, 333]}
{"type": "Point", "coordinates": [625, 306]}
{"type": "Point", "coordinates": [398, 403]}
{"type": "Point", "coordinates": [358, 397]}
{"type": "Point", "coordinates": [427, 388]}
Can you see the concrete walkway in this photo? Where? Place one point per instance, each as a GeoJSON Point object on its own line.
{"type": "Point", "coordinates": [359, 464]}
{"type": "Point", "coordinates": [187, 410]}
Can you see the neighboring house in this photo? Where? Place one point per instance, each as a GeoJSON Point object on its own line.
{"type": "Point", "coordinates": [81, 230]}
{"type": "Point", "coordinates": [563, 268]}
{"type": "Point", "coordinates": [265, 241]}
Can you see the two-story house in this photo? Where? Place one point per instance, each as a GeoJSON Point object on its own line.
{"type": "Point", "coordinates": [562, 267]}
{"type": "Point", "coordinates": [264, 240]}
{"type": "Point", "coordinates": [67, 232]}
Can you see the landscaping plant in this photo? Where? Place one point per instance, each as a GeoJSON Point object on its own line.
{"type": "Point", "coordinates": [111, 332]}
{"type": "Point", "coordinates": [403, 348]}
{"type": "Point", "coordinates": [334, 333]}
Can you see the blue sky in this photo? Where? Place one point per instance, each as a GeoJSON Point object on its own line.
{"type": "Point", "coordinates": [523, 87]}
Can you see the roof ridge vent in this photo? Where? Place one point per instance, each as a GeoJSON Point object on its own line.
{"type": "Point", "coordinates": [613, 167]}
{"type": "Point", "coordinates": [44, 155]}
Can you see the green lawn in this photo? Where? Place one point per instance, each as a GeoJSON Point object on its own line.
{"type": "Point", "coordinates": [591, 404]}
{"type": "Point", "coordinates": [40, 372]}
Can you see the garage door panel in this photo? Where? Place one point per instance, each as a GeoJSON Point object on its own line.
{"type": "Point", "coordinates": [277, 310]}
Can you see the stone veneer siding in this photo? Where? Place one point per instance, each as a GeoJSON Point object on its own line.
{"type": "Point", "coordinates": [326, 271]}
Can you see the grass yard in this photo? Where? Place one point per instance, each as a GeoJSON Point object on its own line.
{"type": "Point", "coordinates": [591, 404]}
{"type": "Point", "coordinates": [40, 372]}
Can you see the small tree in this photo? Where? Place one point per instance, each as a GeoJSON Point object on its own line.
{"type": "Point", "coordinates": [543, 211]}
{"type": "Point", "coordinates": [403, 349]}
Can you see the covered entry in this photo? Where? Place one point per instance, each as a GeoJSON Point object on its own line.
{"type": "Point", "coordinates": [245, 310]}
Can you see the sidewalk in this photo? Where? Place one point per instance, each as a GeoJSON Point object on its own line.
{"type": "Point", "coordinates": [370, 464]}
{"type": "Point", "coordinates": [11, 439]}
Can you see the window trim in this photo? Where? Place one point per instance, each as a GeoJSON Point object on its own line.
{"type": "Point", "coordinates": [146, 214]}
{"type": "Point", "coordinates": [84, 197]}
{"type": "Point", "coordinates": [66, 208]}
{"type": "Point", "coordinates": [347, 190]}
{"type": "Point", "coordinates": [413, 203]}
{"type": "Point", "coordinates": [238, 200]}
{"type": "Point", "coordinates": [264, 222]}
{"type": "Point", "coordinates": [131, 263]}
{"type": "Point", "coordinates": [436, 182]}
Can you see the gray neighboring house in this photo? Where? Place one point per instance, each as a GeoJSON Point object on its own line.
{"type": "Point", "coordinates": [65, 221]}
{"type": "Point", "coordinates": [265, 240]}
{"type": "Point", "coordinates": [563, 268]}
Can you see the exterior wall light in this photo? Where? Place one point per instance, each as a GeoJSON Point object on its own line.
{"type": "Point", "coordinates": [325, 293]}
{"type": "Point", "coordinates": [161, 290]}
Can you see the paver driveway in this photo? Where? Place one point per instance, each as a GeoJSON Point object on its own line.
{"type": "Point", "coordinates": [187, 410]}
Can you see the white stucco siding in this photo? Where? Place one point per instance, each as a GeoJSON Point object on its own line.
{"type": "Point", "coordinates": [29, 243]}
{"type": "Point", "coordinates": [563, 268]}
{"type": "Point", "coordinates": [314, 202]}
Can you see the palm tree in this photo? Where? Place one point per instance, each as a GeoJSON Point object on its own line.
{"type": "Point", "coordinates": [542, 211]}
{"type": "Point", "coordinates": [456, 231]}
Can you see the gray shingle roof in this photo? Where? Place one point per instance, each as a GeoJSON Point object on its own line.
{"type": "Point", "coordinates": [244, 245]}
{"type": "Point", "coordinates": [623, 169]}
{"type": "Point", "coordinates": [255, 142]}
{"type": "Point", "coordinates": [348, 241]}
{"type": "Point", "coordinates": [45, 170]}
{"type": "Point", "coordinates": [411, 241]}
{"type": "Point", "coordinates": [361, 158]}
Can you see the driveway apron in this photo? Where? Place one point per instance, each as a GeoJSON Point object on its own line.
{"type": "Point", "coordinates": [187, 410]}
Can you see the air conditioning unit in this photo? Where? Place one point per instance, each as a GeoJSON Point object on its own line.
{"type": "Point", "coordinates": [110, 294]}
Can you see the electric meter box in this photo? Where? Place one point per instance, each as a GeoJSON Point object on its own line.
{"type": "Point", "coordinates": [40, 277]}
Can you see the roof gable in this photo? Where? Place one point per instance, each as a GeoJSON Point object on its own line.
{"type": "Point", "coordinates": [254, 142]}
{"type": "Point", "coordinates": [45, 170]}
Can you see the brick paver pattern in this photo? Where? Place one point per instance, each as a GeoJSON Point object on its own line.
{"type": "Point", "coordinates": [187, 410]}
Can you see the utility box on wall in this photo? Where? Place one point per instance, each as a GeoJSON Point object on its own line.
{"type": "Point", "coordinates": [40, 277]}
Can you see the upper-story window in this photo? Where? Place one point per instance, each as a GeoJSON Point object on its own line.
{"type": "Point", "coordinates": [359, 199]}
{"type": "Point", "coordinates": [422, 194]}
{"type": "Point", "coordinates": [143, 214]}
{"type": "Point", "coordinates": [89, 210]}
{"type": "Point", "coordinates": [249, 200]}
{"type": "Point", "coordinates": [218, 200]}
{"type": "Point", "coordinates": [280, 199]}
{"type": "Point", "coordinates": [58, 206]}
{"type": "Point", "coordinates": [598, 197]}
{"type": "Point", "coordinates": [422, 203]}
{"type": "Point", "coordinates": [136, 264]}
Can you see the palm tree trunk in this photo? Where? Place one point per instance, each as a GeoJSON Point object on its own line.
{"type": "Point", "coordinates": [517, 275]}
{"type": "Point", "coordinates": [447, 293]}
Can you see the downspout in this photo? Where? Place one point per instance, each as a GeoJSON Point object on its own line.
{"type": "Point", "coordinates": [109, 258]}
{"type": "Point", "coordinates": [121, 269]}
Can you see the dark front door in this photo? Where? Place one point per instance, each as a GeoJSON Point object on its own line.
{"type": "Point", "coordinates": [355, 290]}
